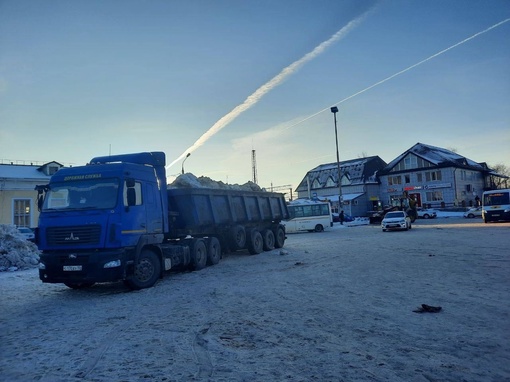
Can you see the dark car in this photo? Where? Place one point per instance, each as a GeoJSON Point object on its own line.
{"type": "Point", "coordinates": [336, 218]}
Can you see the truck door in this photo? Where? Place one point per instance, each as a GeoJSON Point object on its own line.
{"type": "Point", "coordinates": [134, 221]}
{"type": "Point", "coordinates": [153, 209]}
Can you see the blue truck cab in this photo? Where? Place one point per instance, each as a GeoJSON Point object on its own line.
{"type": "Point", "coordinates": [95, 218]}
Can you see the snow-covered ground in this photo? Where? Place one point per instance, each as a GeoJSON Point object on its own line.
{"type": "Point", "coordinates": [331, 306]}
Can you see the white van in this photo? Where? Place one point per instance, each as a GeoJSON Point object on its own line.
{"type": "Point", "coordinates": [308, 215]}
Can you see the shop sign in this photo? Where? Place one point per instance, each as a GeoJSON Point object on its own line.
{"type": "Point", "coordinates": [440, 185]}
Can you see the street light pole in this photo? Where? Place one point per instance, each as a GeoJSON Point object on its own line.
{"type": "Point", "coordinates": [182, 170]}
{"type": "Point", "coordinates": [334, 110]}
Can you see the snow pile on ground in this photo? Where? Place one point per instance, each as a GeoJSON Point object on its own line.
{"type": "Point", "coordinates": [189, 180]}
{"type": "Point", "coordinates": [16, 252]}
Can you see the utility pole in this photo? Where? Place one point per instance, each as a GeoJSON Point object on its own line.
{"type": "Point", "coordinates": [254, 166]}
{"type": "Point", "coordinates": [334, 110]}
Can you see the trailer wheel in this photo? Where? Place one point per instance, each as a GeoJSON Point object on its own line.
{"type": "Point", "coordinates": [269, 240]}
{"type": "Point", "coordinates": [238, 237]}
{"type": "Point", "coordinates": [78, 285]}
{"type": "Point", "coordinates": [256, 242]}
{"type": "Point", "coordinates": [146, 272]}
{"type": "Point", "coordinates": [279, 236]}
{"type": "Point", "coordinates": [213, 251]}
{"type": "Point", "coordinates": [198, 255]}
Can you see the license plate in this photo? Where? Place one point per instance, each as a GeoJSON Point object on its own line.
{"type": "Point", "coordinates": [495, 214]}
{"type": "Point", "coordinates": [72, 267]}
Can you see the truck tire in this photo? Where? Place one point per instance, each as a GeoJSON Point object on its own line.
{"type": "Point", "coordinates": [238, 237]}
{"type": "Point", "coordinates": [279, 237]}
{"type": "Point", "coordinates": [146, 272]}
{"type": "Point", "coordinates": [255, 242]}
{"type": "Point", "coordinates": [268, 237]}
{"type": "Point", "coordinates": [198, 255]}
{"type": "Point", "coordinates": [213, 251]}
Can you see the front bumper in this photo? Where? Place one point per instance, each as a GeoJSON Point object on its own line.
{"type": "Point", "coordinates": [394, 226]}
{"type": "Point", "coordinates": [83, 266]}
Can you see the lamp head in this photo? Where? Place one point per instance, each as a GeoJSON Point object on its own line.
{"type": "Point", "coordinates": [334, 109]}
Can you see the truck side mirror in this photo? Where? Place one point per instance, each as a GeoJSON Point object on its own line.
{"type": "Point", "coordinates": [130, 182]}
{"type": "Point", "coordinates": [40, 201]}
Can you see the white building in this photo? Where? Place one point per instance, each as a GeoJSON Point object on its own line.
{"type": "Point", "coordinates": [18, 198]}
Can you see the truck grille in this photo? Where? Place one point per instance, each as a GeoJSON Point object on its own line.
{"type": "Point", "coordinates": [78, 235]}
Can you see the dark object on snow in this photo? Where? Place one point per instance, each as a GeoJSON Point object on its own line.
{"type": "Point", "coordinates": [427, 309]}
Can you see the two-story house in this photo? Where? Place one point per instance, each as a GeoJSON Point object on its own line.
{"type": "Point", "coordinates": [434, 177]}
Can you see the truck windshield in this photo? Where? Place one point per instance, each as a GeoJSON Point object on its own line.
{"type": "Point", "coordinates": [82, 194]}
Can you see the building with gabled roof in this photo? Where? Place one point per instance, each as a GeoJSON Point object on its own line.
{"type": "Point", "coordinates": [434, 177]}
{"type": "Point", "coordinates": [359, 182]}
{"type": "Point", "coordinates": [18, 198]}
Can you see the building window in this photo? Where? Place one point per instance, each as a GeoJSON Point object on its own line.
{"type": "Point", "coordinates": [316, 184]}
{"type": "Point", "coordinates": [433, 175]}
{"type": "Point", "coordinates": [330, 182]}
{"type": "Point", "coordinates": [410, 162]}
{"type": "Point", "coordinates": [435, 196]}
{"type": "Point", "coordinates": [407, 179]}
{"type": "Point", "coordinates": [419, 177]}
{"type": "Point", "coordinates": [392, 180]}
{"type": "Point", "coordinates": [21, 211]}
{"type": "Point", "coordinates": [52, 170]}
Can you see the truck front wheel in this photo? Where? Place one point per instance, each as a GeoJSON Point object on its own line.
{"type": "Point", "coordinates": [146, 272]}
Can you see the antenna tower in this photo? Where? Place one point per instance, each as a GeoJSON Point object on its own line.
{"type": "Point", "coordinates": [254, 166]}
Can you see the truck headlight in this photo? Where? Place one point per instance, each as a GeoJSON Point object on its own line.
{"type": "Point", "coordinates": [112, 264]}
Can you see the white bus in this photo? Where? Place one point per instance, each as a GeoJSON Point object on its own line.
{"type": "Point", "coordinates": [496, 205]}
{"type": "Point", "coordinates": [308, 216]}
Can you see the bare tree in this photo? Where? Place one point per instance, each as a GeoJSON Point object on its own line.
{"type": "Point", "coordinates": [501, 169]}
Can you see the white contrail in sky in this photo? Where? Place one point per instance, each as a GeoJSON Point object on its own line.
{"type": "Point", "coordinates": [401, 72]}
{"type": "Point", "coordinates": [268, 86]}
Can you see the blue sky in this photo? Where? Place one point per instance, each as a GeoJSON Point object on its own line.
{"type": "Point", "coordinates": [80, 79]}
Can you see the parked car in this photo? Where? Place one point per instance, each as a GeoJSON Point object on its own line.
{"type": "Point", "coordinates": [27, 233]}
{"type": "Point", "coordinates": [398, 220]}
{"type": "Point", "coordinates": [475, 212]}
{"type": "Point", "coordinates": [336, 218]}
{"type": "Point", "coordinates": [426, 213]}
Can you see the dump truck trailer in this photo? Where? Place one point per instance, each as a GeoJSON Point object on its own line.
{"type": "Point", "coordinates": [116, 219]}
